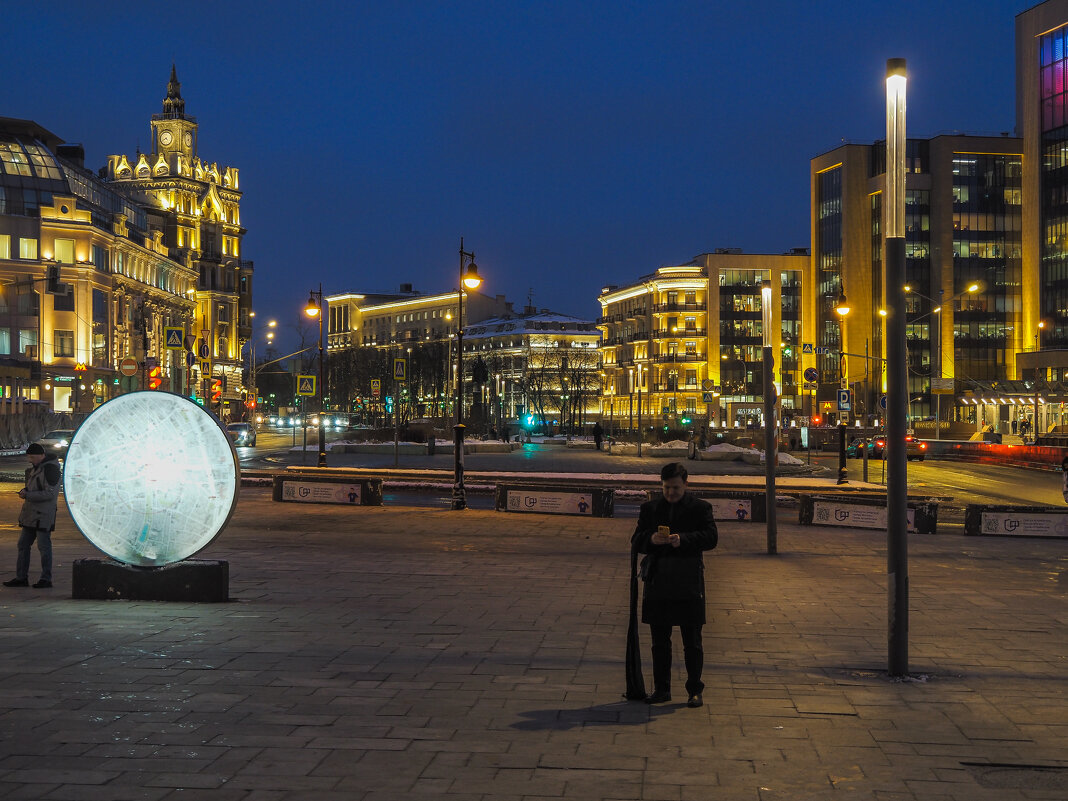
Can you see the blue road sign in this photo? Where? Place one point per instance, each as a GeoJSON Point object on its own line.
{"type": "Point", "coordinates": [844, 404]}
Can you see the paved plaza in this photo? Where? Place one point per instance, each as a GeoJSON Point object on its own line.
{"type": "Point", "coordinates": [398, 653]}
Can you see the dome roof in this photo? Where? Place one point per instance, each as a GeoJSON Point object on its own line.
{"type": "Point", "coordinates": [28, 161]}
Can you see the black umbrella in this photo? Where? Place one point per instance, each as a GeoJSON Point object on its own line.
{"type": "Point", "coordinates": [635, 680]}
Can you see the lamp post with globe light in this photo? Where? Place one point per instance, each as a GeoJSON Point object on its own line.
{"type": "Point", "coordinates": [315, 309]}
{"type": "Point", "coordinates": [469, 279]}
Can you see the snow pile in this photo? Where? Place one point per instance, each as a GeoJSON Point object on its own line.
{"type": "Point", "coordinates": [725, 447]}
{"type": "Point", "coordinates": [674, 445]}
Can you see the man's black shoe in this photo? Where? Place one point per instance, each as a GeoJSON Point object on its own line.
{"type": "Point", "coordinates": [695, 701]}
{"type": "Point", "coordinates": [658, 697]}
{"type": "Point", "coordinates": [42, 584]}
{"type": "Point", "coordinates": [16, 583]}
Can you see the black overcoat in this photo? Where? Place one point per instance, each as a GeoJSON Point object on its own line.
{"type": "Point", "coordinates": [674, 592]}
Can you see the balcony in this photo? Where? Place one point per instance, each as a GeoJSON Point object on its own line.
{"type": "Point", "coordinates": [679, 333]}
{"type": "Point", "coordinates": [679, 358]}
{"type": "Point", "coordinates": [633, 314]}
{"type": "Point", "coordinates": [665, 308]}
{"type": "Point", "coordinates": [669, 387]}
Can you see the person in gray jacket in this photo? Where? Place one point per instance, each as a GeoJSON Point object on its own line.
{"type": "Point", "coordinates": [38, 516]}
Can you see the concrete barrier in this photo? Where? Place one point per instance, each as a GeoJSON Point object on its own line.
{"type": "Point", "coordinates": [555, 499]}
{"type": "Point", "coordinates": [313, 488]}
{"type": "Point", "coordinates": [1015, 521]}
{"type": "Point", "coordinates": [731, 505]}
{"type": "Point", "coordinates": [860, 511]}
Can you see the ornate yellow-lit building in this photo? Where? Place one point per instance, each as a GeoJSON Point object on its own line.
{"type": "Point", "coordinates": [682, 346]}
{"type": "Point", "coordinates": [93, 269]}
{"type": "Point", "coordinates": [196, 206]}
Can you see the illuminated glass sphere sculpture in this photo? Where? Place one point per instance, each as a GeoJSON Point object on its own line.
{"type": "Point", "coordinates": [151, 478]}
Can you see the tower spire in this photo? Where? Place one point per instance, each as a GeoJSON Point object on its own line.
{"type": "Point", "coordinates": [173, 105]}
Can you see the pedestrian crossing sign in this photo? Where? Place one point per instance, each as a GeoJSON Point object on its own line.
{"type": "Point", "coordinates": [306, 385]}
{"type": "Point", "coordinates": [174, 338]}
{"type": "Point", "coordinates": [400, 369]}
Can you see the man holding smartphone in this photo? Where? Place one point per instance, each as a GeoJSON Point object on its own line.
{"type": "Point", "coordinates": [673, 532]}
{"type": "Point", "coordinates": [38, 516]}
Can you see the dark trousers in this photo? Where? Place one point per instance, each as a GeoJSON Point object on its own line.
{"type": "Point", "coordinates": [43, 537]}
{"type": "Point", "coordinates": [693, 654]}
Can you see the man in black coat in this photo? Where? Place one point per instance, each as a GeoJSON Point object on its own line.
{"type": "Point", "coordinates": [674, 531]}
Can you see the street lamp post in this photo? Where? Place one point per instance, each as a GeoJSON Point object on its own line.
{"type": "Point", "coordinates": [897, 390]}
{"type": "Point", "coordinates": [315, 309]}
{"type": "Point", "coordinates": [468, 278]}
{"type": "Point", "coordinates": [770, 456]}
{"type": "Point", "coordinates": [1038, 347]}
{"type": "Point", "coordinates": [842, 309]}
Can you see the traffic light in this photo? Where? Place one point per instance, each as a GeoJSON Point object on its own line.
{"type": "Point", "coordinates": [155, 377]}
{"type": "Point", "coordinates": [815, 420]}
{"type": "Point", "coordinates": [52, 286]}
{"type": "Point", "coordinates": [216, 390]}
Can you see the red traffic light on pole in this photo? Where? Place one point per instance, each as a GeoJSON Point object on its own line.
{"type": "Point", "coordinates": [216, 390]}
{"type": "Point", "coordinates": [155, 377]}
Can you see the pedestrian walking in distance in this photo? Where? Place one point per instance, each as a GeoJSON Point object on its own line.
{"type": "Point", "coordinates": [598, 435]}
{"type": "Point", "coordinates": [38, 516]}
{"type": "Point", "coordinates": [674, 531]}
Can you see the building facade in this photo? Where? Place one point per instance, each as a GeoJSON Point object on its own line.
{"type": "Point", "coordinates": [541, 368]}
{"type": "Point", "coordinates": [366, 331]}
{"type": "Point", "coordinates": [964, 272]}
{"type": "Point", "coordinates": [195, 211]}
{"type": "Point", "coordinates": [683, 346]}
{"type": "Point", "coordinates": [87, 279]}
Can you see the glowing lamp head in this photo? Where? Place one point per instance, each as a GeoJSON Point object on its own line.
{"type": "Point", "coordinates": [312, 309]}
{"type": "Point", "coordinates": [842, 307]}
{"type": "Point", "coordinates": [471, 279]}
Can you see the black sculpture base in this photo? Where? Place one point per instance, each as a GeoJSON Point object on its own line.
{"type": "Point", "coordinates": [191, 580]}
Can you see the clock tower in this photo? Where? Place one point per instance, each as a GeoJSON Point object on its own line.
{"type": "Point", "coordinates": [173, 131]}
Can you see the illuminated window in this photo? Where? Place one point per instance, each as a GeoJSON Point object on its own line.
{"type": "Point", "coordinates": [65, 251]}
{"type": "Point", "coordinates": [64, 343]}
{"type": "Point", "coordinates": [5, 246]}
{"type": "Point", "coordinates": [13, 159]}
{"type": "Point", "coordinates": [28, 341]}
{"type": "Point", "coordinates": [27, 248]}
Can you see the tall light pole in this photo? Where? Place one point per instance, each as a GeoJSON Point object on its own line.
{"type": "Point", "coordinates": [770, 456]}
{"type": "Point", "coordinates": [897, 390]}
{"type": "Point", "coordinates": [842, 309]}
{"type": "Point", "coordinates": [254, 388]}
{"type": "Point", "coordinates": [1038, 347]}
{"type": "Point", "coordinates": [469, 279]}
{"type": "Point", "coordinates": [315, 309]}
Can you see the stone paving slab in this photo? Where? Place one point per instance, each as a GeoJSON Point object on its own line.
{"type": "Point", "coordinates": [399, 653]}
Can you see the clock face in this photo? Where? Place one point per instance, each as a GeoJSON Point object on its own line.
{"type": "Point", "coordinates": [165, 138]}
{"type": "Point", "coordinates": [188, 139]}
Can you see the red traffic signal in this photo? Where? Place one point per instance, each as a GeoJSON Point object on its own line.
{"type": "Point", "coordinates": [155, 377]}
{"type": "Point", "coordinates": [216, 390]}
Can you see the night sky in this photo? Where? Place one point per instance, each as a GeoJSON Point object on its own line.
{"type": "Point", "coordinates": [571, 144]}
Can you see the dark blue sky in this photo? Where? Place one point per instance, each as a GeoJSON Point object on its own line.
{"type": "Point", "coordinates": [571, 144]}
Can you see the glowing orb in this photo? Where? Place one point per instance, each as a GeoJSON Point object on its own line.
{"type": "Point", "coordinates": [150, 478]}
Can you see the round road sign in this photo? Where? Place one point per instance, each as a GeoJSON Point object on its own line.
{"type": "Point", "coordinates": [811, 374]}
{"type": "Point", "coordinates": [128, 366]}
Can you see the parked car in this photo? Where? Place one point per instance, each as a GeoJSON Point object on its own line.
{"type": "Point", "coordinates": [914, 448]}
{"type": "Point", "coordinates": [855, 448]}
{"type": "Point", "coordinates": [57, 441]}
{"type": "Point", "coordinates": [243, 434]}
